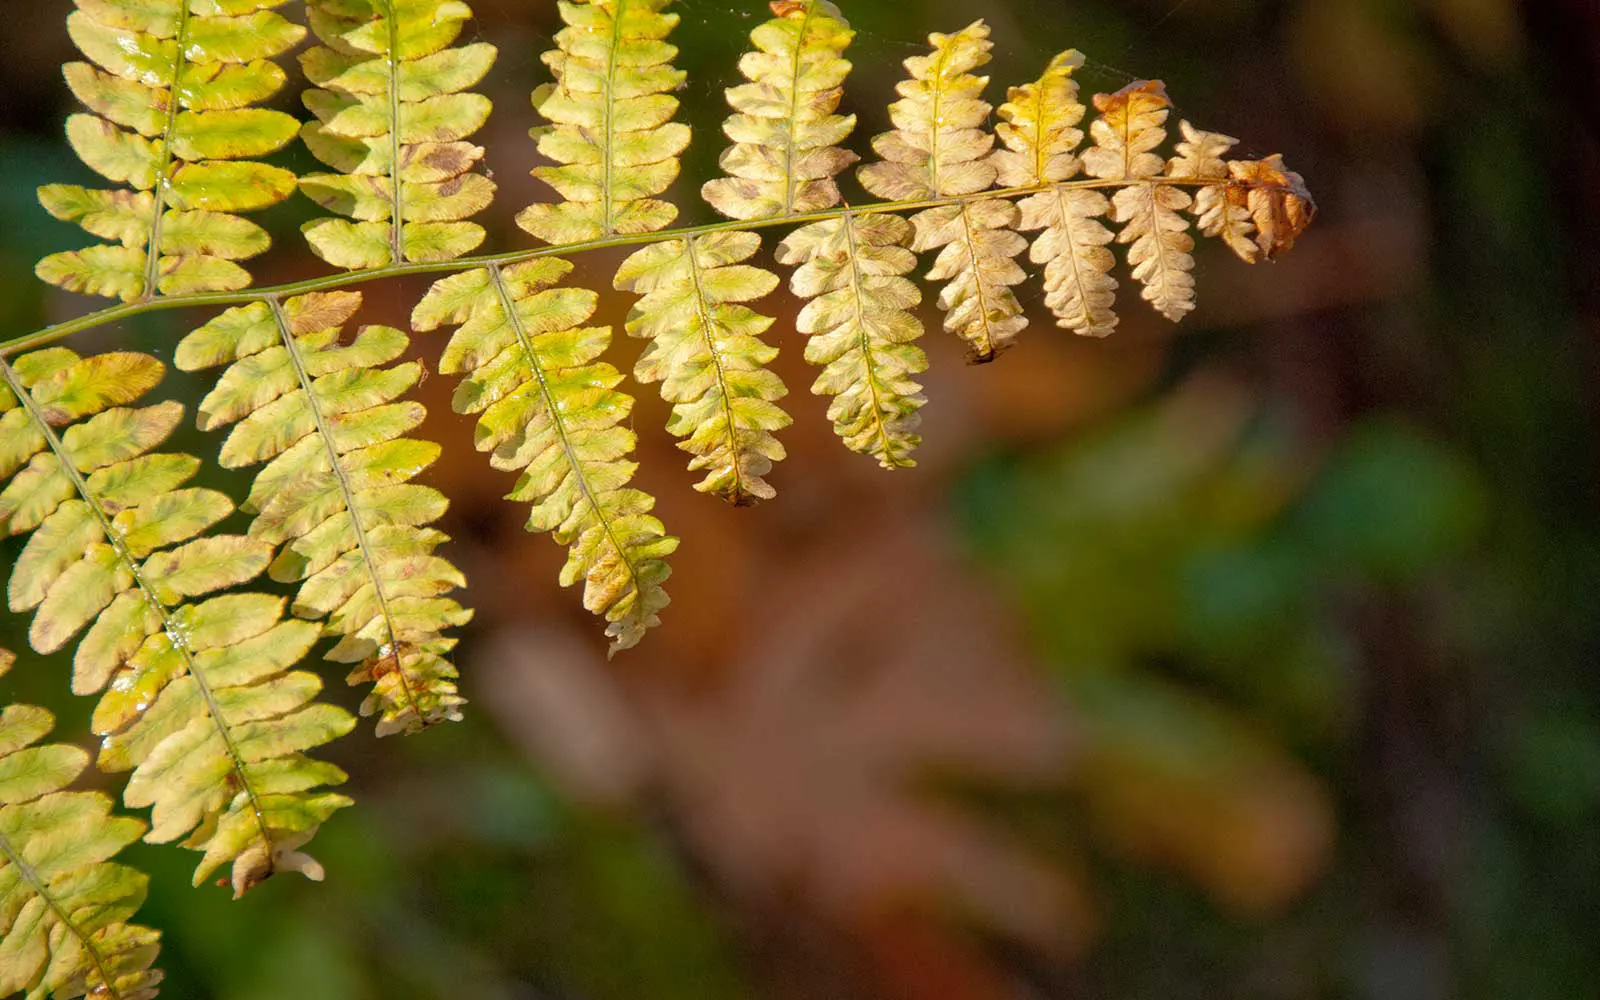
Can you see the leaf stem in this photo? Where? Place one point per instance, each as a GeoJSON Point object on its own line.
{"type": "Point", "coordinates": [129, 310]}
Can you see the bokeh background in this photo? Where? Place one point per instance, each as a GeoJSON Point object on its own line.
{"type": "Point", "coordinates": [1255, 658]}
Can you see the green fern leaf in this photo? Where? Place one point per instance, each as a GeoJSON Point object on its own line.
{"type": "Point", "coordinates": [611, 134]}
{"type": "Point", "coordinates": [852, 270]}
{"type": "Point", "coordinates": [64, 904]}
{"type": "Point", "coordinates": [392, 119]}
{"type": "Point", "coordinates": [197, 702]}
{"type": "Point", "coordinates": [785, 131]}
{"type": "Point", "coordinates": [707, 353]}
{"type": "Point", "coordinates": [551, 410]}
{"type": "Point", "coordinates": [169, 91]}
{"type": "Point", "coordinates": [939, 149]}
{"type": "Point", "coordinates": [336, 490]}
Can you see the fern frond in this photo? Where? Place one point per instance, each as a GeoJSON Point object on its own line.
{"type": "Point", "coordinates": [786, 134]}
{"type": "Point", "coordinates": [1039, 130]}
{"type": "Point", "coordinates": [940, 149]}
{"type": "Point", "coordinates": [611, 136]}
{"type": "Point", "coordinates": [393, 115]}
{"type": "Point", "coordinates": [169, 95]}
{"type": "Point", "coordinates": [707, 353]}
{"type": "Point", "coordinates": [64, 904]}
{"type": "Point", "coordinates": [336, 493]}
{"type": "Point", "coordinates": [198, 703]}
{"type": "Point", "coordinates": [862, 330]}
{"type": "Point", "coordinates": [551, 410]}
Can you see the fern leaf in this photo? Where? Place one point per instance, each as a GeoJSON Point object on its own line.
{"type": "Point", "coordinates": [852, 270]}
{"type": "Point", "coordinates": [335, 490]}
{"type": "Point", "coordinates": [1039, 130]}
{"type": "Point", "coordinates": [611, 138]}
{"type": "Point", "coordinates": [169, 89]}
{"type": "Point", "coordinates": [939, 149]}
{"type": "Point", "coordinates": [64, 904]}
{"type": "Point", "coordinates": [393, 117]}
{"type": "Point", "coordinates": [707, 353]}
{"type": "Point", "coordinates": [785, 131]}
{"type": "Point", "coordinates": [198, 703]}
{"type": "Point", "coordinates": [1131, 126]}
{"type": "Point", "coordinates": [551, 410]}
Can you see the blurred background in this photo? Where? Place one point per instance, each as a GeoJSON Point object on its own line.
{"type": "Point", "coordinates": [1250, 659]}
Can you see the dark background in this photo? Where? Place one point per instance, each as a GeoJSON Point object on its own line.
{"type": "Point", "coordinates": [1251, 659]}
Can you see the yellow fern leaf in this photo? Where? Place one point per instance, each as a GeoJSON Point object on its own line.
{"type": "Point", "coordinates": [393, 117]}
{"type": "Point", "coordinates": [852, 270]}
{"type": "Point", "coordinates": [200, 703]}
{"type": "Point", "coordinates": [940, 149]}
{"type": "Point", "coordinates": [707, 353]}
{"type": "Point", "coordinates": [611, 135]}
{"type": "Point", "coordinates": [169, 89]}
{"type": "Point", "coordinates": [335, 490]}
{"type": "Point", "coordinates": [785, 131]}
{"type": "Point", "coordinates": [550, 409]}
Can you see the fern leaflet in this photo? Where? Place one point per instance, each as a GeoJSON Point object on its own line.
{"type": "Point", "coordinates": [614, 144]}
{"type": "Point", "coordinates": [785, 131]}
{"type": "Point", "coordinates": [392, 119]}
{"type": "Point", "coordinates": [169, 90]}
{"type": "Point", "coordinates": [707, 353]}
{"type": "Point", "coordinates": [197, 701]}
{"type": "Point", "coordinates": [1038, 129]}
{"type": "Point", "coordinates": [335, 490]}
{"type": "Point", "coordinates": [1130, 127]}
{"type": "Point", "coordinates": [551, 410]}
{"type": "Point", "coordinates": [64, 904]}
{"type": "Point", "coordinates": [853, 270]}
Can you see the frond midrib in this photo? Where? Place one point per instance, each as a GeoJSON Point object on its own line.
{"type": "Point", "coordinates": [791, 123]}
{"type": "Point", "coordinates": [704, 313]}
{"type": "Point", "coordinates": [116, 314]}
{"type": "Point", "coordinates": [978, 286]}
{"type": "Point", "coordinates": [392, 63]}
